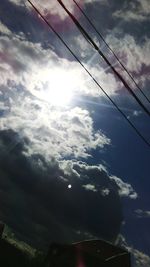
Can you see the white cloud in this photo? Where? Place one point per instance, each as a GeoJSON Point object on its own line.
{"type": "Point", "coordinates": [54, 8]}
{"type": "Point", "coordinates": [142, 213]}
{"type": "Point", "coordinates": [140, 259]}
{"type": "Point", "coordinates": [4, 29]}
{"type": "Point", "coordinates": [81, 42]}
{"type": "Point", "coordinates": [28, 73]}
{"type": "Point", "coordinates": [103, 2]}
{"type": "Point", "coordinates": [3, 106]}
{"type": "Point", "coordinates": [125, 189]}
{"type": "Point", "coordinates": [138, 10]}
{"type": "Point", "coordinates": [47, 6]}
{"type": "Point", "coordinates": [19, 58]}
{"type": "Point", "coordinates": [52, 131]}
{"type": "Point", "coordinates": [105, 192]}
{"type": "Point", "coordinates": [90, 187]}
{"type": "Point", "coordinates": [17, 2]}
{"type": "Point", "coordinates": [68, 166]}
{"type": "Point", "coordinates": [137, 113]}
{"type": "Point", "coordinates": [94, 176]}
{"type": "Point", "coordinates": [133, 55]}
{"type": "Point", "coordinates": [28, 64]}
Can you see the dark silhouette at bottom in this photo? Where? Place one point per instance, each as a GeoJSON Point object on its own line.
{"type": "Point", "coordinates": [91, 253]}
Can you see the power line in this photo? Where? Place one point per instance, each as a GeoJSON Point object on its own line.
{"type": "Point", "coordinates": [101, 36]}
{"type": "Point", "coordinates": [93, 44]}
{"type": "Point", "coordinates": [88, 72]}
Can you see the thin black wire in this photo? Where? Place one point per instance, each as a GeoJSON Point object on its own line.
{"type": "Point", "coordinates": [88, 72]}
{"type": "Point", "coordinates": [84, 33]}
{"type": "Point", "coordinates": [101, 36]}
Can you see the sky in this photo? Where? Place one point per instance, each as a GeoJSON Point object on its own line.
{"type": "Point", "coordinates": [71, 167]}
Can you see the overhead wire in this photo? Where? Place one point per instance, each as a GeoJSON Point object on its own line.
{"type": "Point", "coordinates": [88, 72]}
{"type": "Point", "coordinates": [109, 47]}
{"type": "Point", "coordinates": [95, 46]}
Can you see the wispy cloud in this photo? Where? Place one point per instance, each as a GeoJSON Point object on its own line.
{"type": "Point", "coordinates": [134, 55]}
{"type": "Point", "coordinates": [142, 213]}
{"type": "Point", "coordinates": [53, 7]}
{"type": "Point", "coordinates": [138, 11]}
{"type": "Point", "coordinates": [139, 258]}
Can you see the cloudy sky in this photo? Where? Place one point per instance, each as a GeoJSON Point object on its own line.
{"type": "Point", "coordinates": [71, 167]}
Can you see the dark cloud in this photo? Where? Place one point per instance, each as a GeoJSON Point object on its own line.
{"type": "Point", "coordinates": [37, 203]}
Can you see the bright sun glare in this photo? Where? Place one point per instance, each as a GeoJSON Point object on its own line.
{"type": "Point", "coordinates": [59, 92]}
{"type": "Point", "coordinates": [59, 88]}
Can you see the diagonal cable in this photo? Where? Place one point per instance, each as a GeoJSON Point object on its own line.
{"type": "Point", "coordinates": [112, 51]}
{"type": "Point", "coordinates": [88, 72]}
{"type": "Point", "coordinates": [93, 44]}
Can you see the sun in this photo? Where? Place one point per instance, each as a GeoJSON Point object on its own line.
{"type": "Point", "coordinates": [58, 87]}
